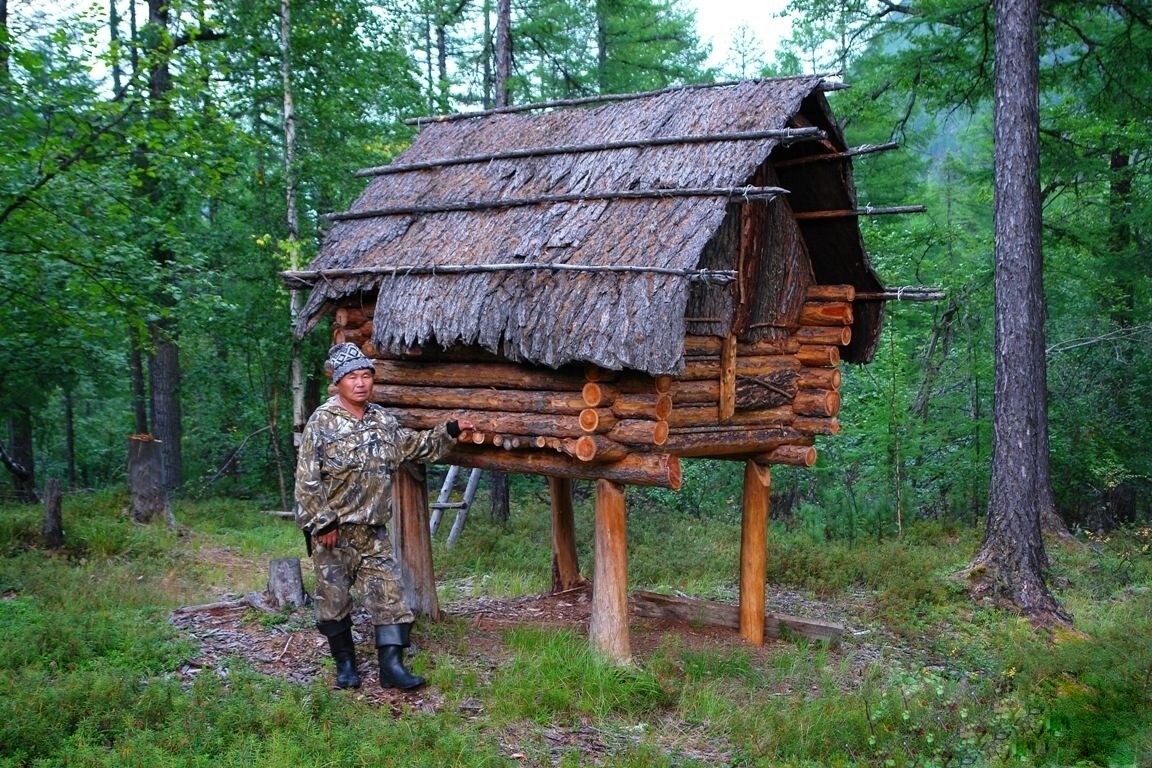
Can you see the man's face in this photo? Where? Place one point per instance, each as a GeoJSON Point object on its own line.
{"type": "Point", "coordinates": [356, 387]}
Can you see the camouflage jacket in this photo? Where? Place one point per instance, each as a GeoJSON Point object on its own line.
{"type": "Point", "coordinates": [345, 467]}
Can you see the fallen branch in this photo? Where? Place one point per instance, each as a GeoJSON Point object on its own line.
{"type": "Point", "coordinates": [656, 606]}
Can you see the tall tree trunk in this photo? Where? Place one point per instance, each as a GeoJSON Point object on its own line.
{"type": "Point", "coordinates": [292, 221]}
{"type": "Point", "coordinates": [20, 460]}
{"type": "Point", "coordinates": [601, 45]}
{"type": "Point", "coordinates": [114, 39]}
{"type": "Point", "coordinates": [164, 360]}
{"type": "Point", "coordinates": [500, 508]}
{"type": "Point", "coordinates": [503, 51]}
{"type": "Point", "coordinates": [52, 530]}
{"type": "Point", "coordinates": [139, 385]}
{"type": "Point", "coordinates": [489, 52]}
{"type": "Point", "coordinates": [5, 53]}
{"type": "Point", "coordinates": [70, 436]}
{"type": "Point", "coordinates": [1010, 564]}
{"type": "Point", "coordinates": [164, 373]}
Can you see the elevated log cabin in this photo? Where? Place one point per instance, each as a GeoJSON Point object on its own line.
{"type": "Point", "coordinates": [605, 289]}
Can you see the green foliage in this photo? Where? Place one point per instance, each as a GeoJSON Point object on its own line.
{"type": "Point", "coordinates": [554, 676]}
{"type": "Point", "coordinates": [923, 677]}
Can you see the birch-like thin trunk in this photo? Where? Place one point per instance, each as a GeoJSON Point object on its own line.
{"type": "Point", "coordinates": [291, 219]}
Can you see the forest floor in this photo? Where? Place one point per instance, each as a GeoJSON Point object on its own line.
{"type": "Point", "coordinates": [232, 629]}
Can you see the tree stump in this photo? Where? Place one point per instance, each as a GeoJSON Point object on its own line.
{"type": "Point", "coordinates": [53, 530]}
{"type": "Point", "coordinates": [148, 496]}
{"type": "Point", "coordinates": [285, 583]}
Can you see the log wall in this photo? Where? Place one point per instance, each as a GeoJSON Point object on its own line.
{"type": "Point", "coordinates": [763, 401]}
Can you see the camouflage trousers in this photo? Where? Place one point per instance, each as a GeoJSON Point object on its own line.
{"type": "Point", "coordinates": [362, 560]}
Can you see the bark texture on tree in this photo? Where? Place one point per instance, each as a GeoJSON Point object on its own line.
{"type": "Point", "coordinates": [565, 562]}
{"type": "Point", "coordinates": [53, 528]}
{"type": "Point", "coordinates": [20, 459]}
{"type": "Point", "coordinates": [148, 496]}
{"type": "Point", "coordinates": [164, 372]}
{"type": "Point", "coordinates": [412, 539]}
{"type": "Point", "coordinates": [1009, 569]}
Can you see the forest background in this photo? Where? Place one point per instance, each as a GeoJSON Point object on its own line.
{"type": "Point", "coordinates": [144, 217]}
{"type": "Point", "coordinates": [143, 221]}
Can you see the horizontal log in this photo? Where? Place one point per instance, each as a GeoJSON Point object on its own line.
{"type": "Point", "coordinates": [639, 432]}
{"type": "Point", "coordinates": [709, 415]}
{"type": "Point", "coordinates": [492, 422]}
{"type": "Point", "coordinates": [597, 395]}
{"type": "Point", "coordinates": [826, 313]}
{"type": "Point", "coordinates": [839, 336]}
{"type": "Point", "coordinates": [656, 606]}
{"type": "Point", "coordinates": [733, 441]}
{"type": "Point", "coordinates": [652, 406]}
{"type": "Point", "coordinates": [793, 455]}
{"type": "Point", "coordinates": [818, 356]}
{"type": "Point", "coordinates": [710, 345]}
{"type": "Point", "coordinates": [498, 375]}
{"type": "Point", "coordinates": [816, 402]}
{"type": "Point", "coordinates": [594, 448]}
{"type": "Point", "coordinates": [633, 382]}
{"type": "Point", "coordinates": [819, 378]}
{"type": "Point", "coordinates": [816, 425]}
{"type": "Point", "coordinates": [697, 368]}
{"type": "Point", "coordinates": [649, 469]}
{"type": "Point", "coordinates": [831, 292]}
{"type": "Point", "coordinates": [597, 419]}
{"type": "Point", "coordinates": [479, 398]}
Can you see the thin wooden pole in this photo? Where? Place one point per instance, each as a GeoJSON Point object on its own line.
{"type": "Point", "coordinates": [565, 563]}
{"type": "Point", "coordinates": [608, 629]}
{"type": "Point", "coordinates": [735, 195]}
{"type": "Point", "coordinates": [754, 551]}
{"type": "Point", "coordinates": [308, 277]}
{"type": "Point", "coordinates": [867, 211]}
{"type": "Point", "coordinates": [784, 135]}
{"type": "Point", "coordinates": [601, 99]}
{"type": "Point", "coordinates": [865, 149]}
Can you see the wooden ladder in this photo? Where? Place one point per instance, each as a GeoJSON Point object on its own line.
{"type": "Point", "coordinates": [461, 507]}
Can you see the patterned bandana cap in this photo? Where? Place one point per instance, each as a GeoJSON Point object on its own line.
{"type": "Point", "coordinates": [345, 358]}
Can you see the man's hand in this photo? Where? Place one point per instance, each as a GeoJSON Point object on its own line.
{"type": "Point", "coordinates": [329, 540]}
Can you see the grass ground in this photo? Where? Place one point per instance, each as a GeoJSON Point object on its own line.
{"type": "Point", "coordinates": [90, 661]}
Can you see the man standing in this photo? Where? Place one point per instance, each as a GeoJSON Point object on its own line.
{"type": "Point", "coordinates": [349, 453]}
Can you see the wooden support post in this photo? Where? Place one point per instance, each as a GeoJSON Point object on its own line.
{"type": "Point", "coordinates": [728, 378]}
{"type": "Point", "coordinates": [412, 541]}
{"type": "Point", "coordinates": [754, 551]}
{"type": "Point", "coordinates": [565, 563]}
{"type": "Point", "coordinates": [608, 629]}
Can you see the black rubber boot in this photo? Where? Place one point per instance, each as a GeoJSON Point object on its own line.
{"type": "Point", "coordinates": [339, 634]}
{"type": "Point", "coordinates": [391, 640]}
